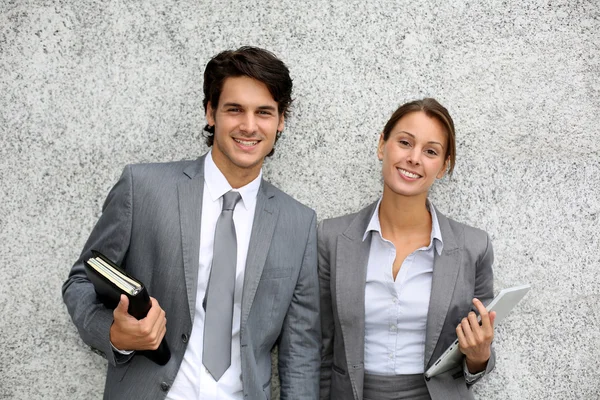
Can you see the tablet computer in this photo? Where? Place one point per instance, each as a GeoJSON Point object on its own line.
{"type": "Point", "coordinates": [503, 303]}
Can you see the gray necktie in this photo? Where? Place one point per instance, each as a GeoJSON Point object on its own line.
{"type": "Point", "coordinates": [216, 355]}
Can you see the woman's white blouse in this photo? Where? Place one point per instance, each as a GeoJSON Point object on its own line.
{"type": "Point", "coordinates": [396, 311]}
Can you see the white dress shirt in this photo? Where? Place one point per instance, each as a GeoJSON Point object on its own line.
{"type": "Point", "coordinates": [193, 381]}
{"type": "Point", "coordinates": [396, 310]}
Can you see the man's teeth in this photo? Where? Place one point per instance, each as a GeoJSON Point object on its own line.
{"type": "Point", "coordinates": [408, 174]}
{"type": "Point", "coordinates": [246, 142]}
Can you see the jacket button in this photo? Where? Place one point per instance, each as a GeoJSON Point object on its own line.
{"type": "Point", "coordinates": [165, 386]}
{"type": "Point", "coordinates": [184, 337]}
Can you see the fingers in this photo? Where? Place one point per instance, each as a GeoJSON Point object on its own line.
{"type": "Point", "coordinates": [157, 321]}
{"type": "Point", "coordinates": [159, 337]}
{"type": "Point", "coordinates": [476, 329]}
{"type": "Point", "coordinates": [470, 326]}
{"type": "Point", "coordinates": [487, 321]}
{"type": "Point", "coordinates": [155, 312]}
{"type": "Point", "coordinates": [485, 318]}
{"type": "Point", "coordinates": [462, 340]}
{"type": "Point", "coordinates": [131, 334]}
{"type": "Point", "coordinates": [158, 330]}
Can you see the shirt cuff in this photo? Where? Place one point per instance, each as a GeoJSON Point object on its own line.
{"type": "Point", "coordinates": [469, 377]}
{"type": "Point", "coordinates": [124, 352]}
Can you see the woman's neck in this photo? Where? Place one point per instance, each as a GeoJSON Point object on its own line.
{"type": "Point", "coordinates": [402, 214]}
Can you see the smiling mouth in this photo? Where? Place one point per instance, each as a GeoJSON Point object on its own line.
{"type": "Point", "coordinates": [246, 142]}
{"type": "Point", "coordinates": [408, 174]}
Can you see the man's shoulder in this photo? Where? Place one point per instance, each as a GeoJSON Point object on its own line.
{"type": "Point", "coordinates": [162, 167]}
{"type": "Point", "coordinates": [164, 172]}
{"type": "Point", "coordinates": [286, 201]}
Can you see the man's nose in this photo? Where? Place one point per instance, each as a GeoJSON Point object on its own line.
{"type": "Point", "coordinates": [248, 124]}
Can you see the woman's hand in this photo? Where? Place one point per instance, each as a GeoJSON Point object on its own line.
{"type": "Point", "coordinates": [475, 340]}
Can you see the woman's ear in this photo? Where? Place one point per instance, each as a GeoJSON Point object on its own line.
{"type": "Point", "coordinates": [442, 172]}
{"type": "Point", "coordinates": [380, 147]}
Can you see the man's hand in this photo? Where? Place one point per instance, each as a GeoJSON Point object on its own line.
{"type": "Point", "coordinates": [127, 333]}
{"type": "Point", "coordinates": [475, 340]}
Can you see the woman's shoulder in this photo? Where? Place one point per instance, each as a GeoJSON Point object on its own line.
{"type": "Point", "coordinates": [465, 235]}
{"type": "Point", "coordinates": [350, 223]}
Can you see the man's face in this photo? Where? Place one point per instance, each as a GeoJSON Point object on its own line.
{"type": "Point", "coordinates": [246, 122]}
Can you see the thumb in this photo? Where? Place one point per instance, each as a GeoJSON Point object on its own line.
{"type": "Point", "coordinates": [123, 305]}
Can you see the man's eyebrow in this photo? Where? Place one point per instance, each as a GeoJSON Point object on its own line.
{"type": "Point", "coordinates": [265, 107]}
{"type": "Point", "coordinates": [413, 136]}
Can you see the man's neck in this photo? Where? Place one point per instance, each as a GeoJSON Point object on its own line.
{"type": "Point", "coordinates": [237, 177]}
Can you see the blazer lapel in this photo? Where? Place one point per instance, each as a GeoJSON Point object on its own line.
{"type": "Point", "coordinates": [263, 227]}
{"type": "Point", "coordinates": [445, 272]}
{"type": "Point", "coordinates": [352, 256]}
{"type": "Point", "coordinates": [190, 193]}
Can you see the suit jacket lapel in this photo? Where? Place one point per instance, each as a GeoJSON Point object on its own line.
{"type": "Point", "coordinates": [190, 193]}
{"type": "Point", "coordinates": [352, 256]}
{"type": "Point", "coordinates": [445, 272]}
{"type": "Point", "coordinates": [263, 227]}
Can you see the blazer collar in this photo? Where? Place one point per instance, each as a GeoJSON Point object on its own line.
{"type": "Point", "coordinates": [445, 272]}
{"type": "Point", "coordinates": [190, 192]}
{"type": "Point", "coordinates": [263, 227]}
{"type": "Point", "coordinates": [357, 227]}
{"type": "Point", "coordinates": [196, 169]}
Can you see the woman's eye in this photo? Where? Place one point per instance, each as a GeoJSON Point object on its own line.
{"type": "Point", "coordinates": [432, 152]}
{"type": "Point", "coordinates": [404, 142]}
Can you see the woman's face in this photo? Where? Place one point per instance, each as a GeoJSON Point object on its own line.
{"type": "Point", "coordinates": [414, 154]}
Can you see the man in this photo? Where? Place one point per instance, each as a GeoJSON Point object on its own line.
{"type": "Point", "coordinates": [168, 225]}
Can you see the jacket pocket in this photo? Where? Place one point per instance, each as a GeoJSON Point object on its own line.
{"type": "Point", "coordinates": [338, 369]}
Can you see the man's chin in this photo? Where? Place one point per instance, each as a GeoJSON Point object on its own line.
{"type": "Point", "coordinates": [248, 161]}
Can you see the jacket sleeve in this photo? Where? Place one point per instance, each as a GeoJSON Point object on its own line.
{"type": "Point", "coordinates": [111, 236]}
{"type": "Point", "coordinates": [300, 338]}
{"type": "Point", "coordinates": [484, 291]}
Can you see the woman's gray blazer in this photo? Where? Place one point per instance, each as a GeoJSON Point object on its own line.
{"type": "Point", "coordinates": [461, 272]}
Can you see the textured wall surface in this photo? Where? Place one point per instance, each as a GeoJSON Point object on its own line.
{"type": "Point", "coordinates": [89, 86]}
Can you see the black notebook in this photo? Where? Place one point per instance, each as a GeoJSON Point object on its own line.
{"type": "Point", "coordinates": [110, 282]}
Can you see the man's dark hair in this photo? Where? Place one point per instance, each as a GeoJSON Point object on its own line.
{"type": "Point", "coordinates": [255, 63]}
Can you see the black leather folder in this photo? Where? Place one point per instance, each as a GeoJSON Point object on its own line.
{"type": "Point", "coordinates": [110, 283]}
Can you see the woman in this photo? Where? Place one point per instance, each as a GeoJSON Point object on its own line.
{"type": "Point", "coordinates": [398, 279]}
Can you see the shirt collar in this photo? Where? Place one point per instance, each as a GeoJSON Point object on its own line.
{"type": "Point", "coordinates": [436, 233]}
{"type": "Point", "coordinates": [217, 185]}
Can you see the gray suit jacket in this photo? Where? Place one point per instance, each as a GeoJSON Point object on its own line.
{"type": "Point", "coordinates": [461, 272]}
{"type": "Point", "coordinates": [150, 225]}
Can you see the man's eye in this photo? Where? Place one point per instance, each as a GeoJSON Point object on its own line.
{"type": "Point", "coordinates": [262, 112]}
{"type": "Point", "coordinates": [233, 109]}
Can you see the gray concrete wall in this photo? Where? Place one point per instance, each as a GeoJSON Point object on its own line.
{"type": "Point", "coordinates": [88, 86]}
